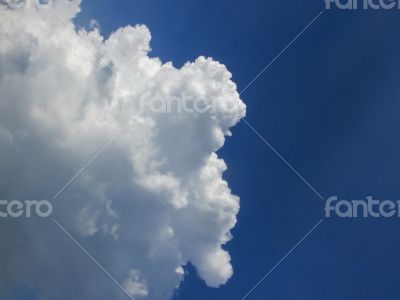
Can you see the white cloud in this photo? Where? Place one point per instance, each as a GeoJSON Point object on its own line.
{"type": "Point", "coordinates": [153, 202]}
{"type": "Point", "coordinates": [134, 286]}
{"type": "Point", "coordinates": [94, 24]}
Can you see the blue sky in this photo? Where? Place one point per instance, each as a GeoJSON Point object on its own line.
{"type": "Point", "coordinates": [328, 105]}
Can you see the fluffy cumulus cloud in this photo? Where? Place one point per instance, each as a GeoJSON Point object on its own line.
{"type": "Point", "coordinates": [152, 202]}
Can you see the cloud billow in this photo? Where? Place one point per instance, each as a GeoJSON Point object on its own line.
{"type": "Point", "coordinates": [153, 201]}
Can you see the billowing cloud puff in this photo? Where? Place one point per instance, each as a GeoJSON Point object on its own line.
{"type": "Point", "coordinates": [152, 201]}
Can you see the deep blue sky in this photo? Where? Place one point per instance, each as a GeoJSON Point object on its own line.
{"type": "Point", "coordinates": [329, 105]}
